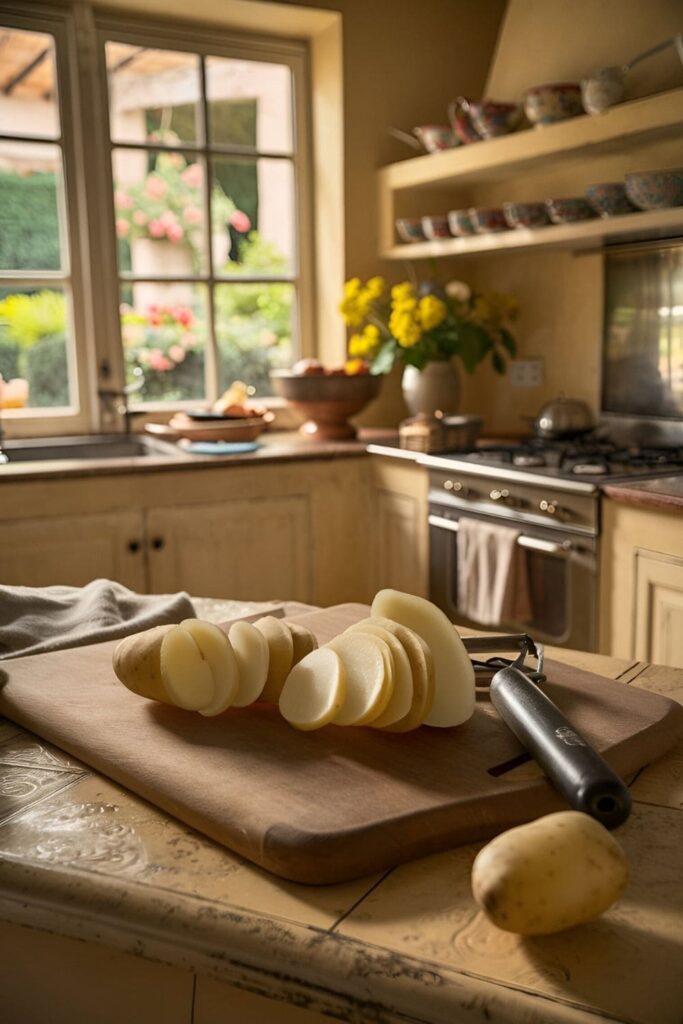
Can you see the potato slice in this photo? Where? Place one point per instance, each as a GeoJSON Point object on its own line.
{"type": "Point", "coordinates": [303, 639]}
{"type": "Point", "coordinates": [454, 694]}
{"type": "Point", "coordinates": [401, 699]}
{"type": "Point", "coordinates": [186, 674]}
{"type": "Point", "coordinates": [314, 690]}
{"type": "Point", "coordinates": [137, 663]}
{"type": "Point", "coordinates": [369, 684]}
{"type": "Point", "coordinates": [251, 652]}
{"type": "Point", "coordinates": [216, 649]}
{"type": "Point", "coordinates": [280, 655]}
{"type": "Point", "coordinates": [422, 669]}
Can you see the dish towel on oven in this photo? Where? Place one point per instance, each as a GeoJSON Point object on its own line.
{"type": "Point", "coordinates": [38, 619]}
{"type": "Point", "coordinates": [493, 585]}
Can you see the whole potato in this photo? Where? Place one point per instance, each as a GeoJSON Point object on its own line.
{"type": "Point", "coordinates": [558, 871]}
{"type": "Point", "coordinates": [137, 663]}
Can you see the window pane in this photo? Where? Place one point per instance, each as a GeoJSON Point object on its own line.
{"type": "Point", "coordinates": [254, 332]}
{"type": "Point", "coordinates": [253, 228]}
{"type": "Point", "coordinates": [153, 94]}
{"type": "Point", "coordinates": [28, 101]}
{"type": "Point", "coordinates": [30, 194]}
{"type": "Point", "coordinates": [34, 348]}
{"type": "Point", "coordinates": [163, 328]}
{"type": "Point", "coordinates": [159, 210]}
{"type": "Point", "coordinates": [250, 104]}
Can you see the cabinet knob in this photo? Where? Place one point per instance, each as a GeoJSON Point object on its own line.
{"type": "Point", "coordinates": [158, 543]}
{"type": "Point", "coordinates": [134, 546]}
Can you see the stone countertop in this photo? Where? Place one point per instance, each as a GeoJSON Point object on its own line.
{"type": "Point", "coordinates": [275, 447]}
{"type": "Point", "coordinates": [82, 857]}
{"type": "Point", "coordinates": [663, 493]}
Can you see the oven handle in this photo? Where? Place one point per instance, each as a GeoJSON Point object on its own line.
{"type": "Point", "coordinates": [548, 547]}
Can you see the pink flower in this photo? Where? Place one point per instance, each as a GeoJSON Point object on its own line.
{"type": "Point", "coordinates": [156, 229]}
{"type": "Point", "coordinates": [192, 214]}
{"type": "Point", "coordinates": [122, 227]}
{"type": "Point", "coordinates": [174, 232]}
{"type": "Point", "coordinates": [177, 353]}
{"type": "Point", "coordinates": [188, 340]}
{"type": "Point", "coordinates": [140, 218]}
{"type": "Point", "coordinates": [122, 201]}
{"type": "Point", "coordinates": [156, 187]}
{"type": "Point", "coordinates": [158, 361]}
{"type": "Point", "coordinates": [192, 176]}
{"type": "Point", "coordinates": [183, 315]}
{"type": "Point", "coordinates": [239, 221]}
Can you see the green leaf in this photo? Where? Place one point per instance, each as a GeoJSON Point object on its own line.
{"type": "Point", "coordinates": [384, 360]}
{"type": "Point", "coordinates": [473, 344]}
{"type": "Point", "coordinates": [498, 362]}
{"type": "Point", "coordinates": [508, 341]}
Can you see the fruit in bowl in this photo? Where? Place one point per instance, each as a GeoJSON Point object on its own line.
{"type": "Point", "coordinates": [327, 397]}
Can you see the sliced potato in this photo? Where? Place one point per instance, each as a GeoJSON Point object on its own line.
{"type": "Point", "coordinates": [187, 676]}
{"type": "Point", "coordinates": [137, 663]}
{"type": "Point", "coordinates": [402, 697]}
{"type": "Point", "coordinates": [314, 690]}
{"type": "Point", "coordinates": [422, 670]}
{"type": "Point", "coordinates": [369, 684]}
{"type": "Point", "coordinates": [303, 639]}
{"type": "Point", "coordinates": [280, 654]}
{"type": "Point", "coordinates": [251, 652]}
{"type": "Point", "coordinates": [216, 649]}
{"type": "Point", "coordinates": [454, 692]}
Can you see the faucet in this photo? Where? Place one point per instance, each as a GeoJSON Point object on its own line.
{"type": "Point", "coordinates": [106, 395]}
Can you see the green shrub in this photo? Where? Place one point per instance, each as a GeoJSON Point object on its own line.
{"type": "Point", "coordinates": [29, 239]}
{"type": "Point", "coordinates": [47, 372]}
{"type": "Point", "coordinates": [9, 359]}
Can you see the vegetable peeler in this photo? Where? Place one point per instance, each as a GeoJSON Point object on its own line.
{"type": "Point", "coordinates": [576, 770]}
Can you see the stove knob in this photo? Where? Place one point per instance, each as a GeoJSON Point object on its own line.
{"type": "Point", "coordinates": [551, 508]}
{"type": "Point", "coordinates": [500, 494]}
{"type": "Point", "coordinates": [455, 486]}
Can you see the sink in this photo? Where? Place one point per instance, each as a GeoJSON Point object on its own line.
{"type": "Point", "coordinates": [94, 446]}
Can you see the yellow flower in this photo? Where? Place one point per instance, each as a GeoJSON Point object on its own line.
{"type": "Point", "coordinates": [357, 345]}
{"type": "Point", "coordinates": [348, 307]}
{"type": "Point", "coordinates": [431, 311]}
{"type": "Point", "coordinates": [375, 286]}
{"type": "Point", "coordinates": [482, 309]}
{"type": "Point", "coordinates": [371, 334]}
{"type": "Point", "coordinates": [405, 329]}
{"type": "Point", "coordinates": [352, 367]}
{"type": "Point", "coordinates": [352, 287]}
{"type": "Point", "coordinates": [402, 291]}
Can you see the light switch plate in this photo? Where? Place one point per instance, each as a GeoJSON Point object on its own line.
{"type": "Point", "coordinates": [526, 373]}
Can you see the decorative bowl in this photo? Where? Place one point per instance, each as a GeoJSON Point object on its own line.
{"type": "Point", "coordinates": [570, 210]}
{"type": "Point", "coordinates": [326, 400]}
{"type": "Point", "coordinates": [409, 229]}
{"type": "Point", "coordinates": [436, 227]}
{"type": "Point", "coordinates": [609, 199]}
{"type": "Point", "coordinates": [460, 223]}
{"type": "Point", "coordinates": [488, 218]}
{"type": "Point", "coordinates": [546, 104]}
{"type": "Point", "coordinates": [436, 137]}
{"type": "Point", "coordinates": [655, 190]}
{"type": "Point", "coordinates": [526, 215]}
{"type": "Point", "coordinates": [461, 121]}
{"type": "Point", "coordinates": [492, 119]}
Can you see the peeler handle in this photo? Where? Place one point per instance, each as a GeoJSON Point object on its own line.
{"type": "Point", "coordinates": [580, 774]}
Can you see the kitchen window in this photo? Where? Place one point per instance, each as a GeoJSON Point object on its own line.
{"type": "Point", "coordinates": [173, 164]}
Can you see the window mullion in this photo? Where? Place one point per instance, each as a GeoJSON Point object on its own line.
{"type": "Point", "coordinates": [211, 363]}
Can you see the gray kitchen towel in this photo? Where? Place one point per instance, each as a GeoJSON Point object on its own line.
{"type": "Point", "coordinates": [38, 619]}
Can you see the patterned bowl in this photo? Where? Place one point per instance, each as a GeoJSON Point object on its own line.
{"type": "Point", "coordinates": [488, 218]}
{"type": "Point", "coordinates": [436, 137]}
{"type": "Point", "coordinates": [526, 215]}
{"type": "Point", "coordinates": [609, 199]}
{"type": "Point", "coordinates": [435, 227]}
{"type": "Point", "coordinates": [327, 401]}
{"type": "Point", "coordinates": [655, 190]}
{"type": "Point", "coordinates": [569, 211]}
{"type": "Point", "coordinates": [409, 229]}
{"type": "Point", "coordinates": [492, 119]}
{"type": "Point", "coordinates": [460, 223]}
{"type": "Point", "coordinates": [546, 104]}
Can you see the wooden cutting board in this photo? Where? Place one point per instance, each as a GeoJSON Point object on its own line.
{"type": "Point", "coordinates": [330, 805]}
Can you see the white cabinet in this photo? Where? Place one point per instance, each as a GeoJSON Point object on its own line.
{"type": "Point", "coordinates": [659, 608]}
{"type": "Point", "coordinates": [400, 537]}
{"type": "Point", "coordinates": [73, 550]}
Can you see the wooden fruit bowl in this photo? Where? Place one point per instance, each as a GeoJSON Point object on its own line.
{"type": "Point", "coordinates": [327, 401]}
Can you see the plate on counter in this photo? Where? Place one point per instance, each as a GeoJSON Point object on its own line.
{"type": "Point", "coordinates": [182, 426]}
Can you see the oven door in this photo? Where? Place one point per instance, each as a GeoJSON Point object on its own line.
{"type": "Point", "coordinates": [562, 574]}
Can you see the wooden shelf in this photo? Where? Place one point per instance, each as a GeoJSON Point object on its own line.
{"type": "Point", "coordinates": [584, 235]}
{"type": "Point", "coordinates": [620, 127]}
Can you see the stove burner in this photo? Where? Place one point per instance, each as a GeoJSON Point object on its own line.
{"type": "Point", "coordinates": [590, 468]}
{"type": "Point", "coordinates": [526, 460]}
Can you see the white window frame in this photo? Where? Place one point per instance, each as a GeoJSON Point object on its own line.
{"type": "Point", "coordinates": [80, 33]}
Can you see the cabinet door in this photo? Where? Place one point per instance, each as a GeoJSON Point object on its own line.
{"type": "Point", "coordinates": [247, 549]}
{"type": "Point", "coordinates": [659, 608]}
{"type": "Point", "coordinates": [73, 550]}
{"type": "Point", "coordinates": [400, 528]}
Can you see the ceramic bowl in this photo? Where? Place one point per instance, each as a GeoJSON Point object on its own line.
{"type": "Point", "coordinates": [326, 401]}
{"type": "Point", "coordinates": [488, 218]}
{"type": "Point", "coordinates": [492, 119]}
{"type": "Point", "coordinates": [570, 210]}
{"type": "Point", "coordinates": [526, 215]}
{"type": "Point", "coordinates": [546, 104]}
{"type": "Point", "coordinates": [655, 190]}
{"type": "Point", "coordinates": [436, 137]}
{"type": "Point", "coordinates": [609, 199]}
{"type": "Point", "coordinates": [436, 227]}
{"type": "Point", "coordinates": [460, 223]}
{"type": "Point", "coordinates": [409, 229]}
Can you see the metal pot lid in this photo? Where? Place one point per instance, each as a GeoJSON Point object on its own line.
{"type": "Point", "coordinates": [563, 415]}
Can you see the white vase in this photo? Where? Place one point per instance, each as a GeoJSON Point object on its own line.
{"type": "Point", "coordinates": [436, 388]}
